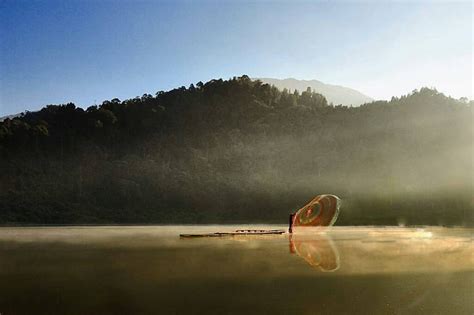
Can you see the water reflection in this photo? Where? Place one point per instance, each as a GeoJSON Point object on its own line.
{"type": "Point", "coordinates": [384, 250]}
{"type": "Point", "coordinates": [318, 250]}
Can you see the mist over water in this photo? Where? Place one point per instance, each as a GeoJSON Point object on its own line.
{"type": "Point", "coordinates": [149, 270]}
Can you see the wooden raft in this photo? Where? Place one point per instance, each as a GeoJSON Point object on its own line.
{"type": "Point", "coordinates": [234, 233]}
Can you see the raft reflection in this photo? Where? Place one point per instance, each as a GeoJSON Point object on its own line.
{"type": "Point", "coordinates": [319, 251]}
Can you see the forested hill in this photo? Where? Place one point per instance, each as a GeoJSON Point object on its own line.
{"type": "Point", "coordinates": [238, 151]}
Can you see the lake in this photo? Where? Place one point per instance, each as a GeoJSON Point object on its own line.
{"type": "Point", "coordinates": [151, 270]}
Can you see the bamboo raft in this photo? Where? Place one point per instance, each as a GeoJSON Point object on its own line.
{"type": "Point", "coordinates": [235, 233]}
{"type": "Point", "coordinates": [320, 211]}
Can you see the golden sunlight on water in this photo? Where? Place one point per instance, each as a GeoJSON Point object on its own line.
{"type": "Point", "coordinates": [341, 270]}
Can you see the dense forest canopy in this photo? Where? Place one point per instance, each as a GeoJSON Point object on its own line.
{"type": "Point", "coordinates": [238, 151]}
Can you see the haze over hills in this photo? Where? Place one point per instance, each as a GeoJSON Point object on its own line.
{"type": "Point", "coordinates": [237, 150]}
{"type": "Point", "coordinates": [334, 93]}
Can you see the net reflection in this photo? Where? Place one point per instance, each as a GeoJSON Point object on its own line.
{"type": "Point", "coordinates": [318, 250]}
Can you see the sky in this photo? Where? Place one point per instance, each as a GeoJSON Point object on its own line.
{"type": "Point", "coordinates": [88, 51]}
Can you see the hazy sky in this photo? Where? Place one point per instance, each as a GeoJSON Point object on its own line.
{"type": "Point", "coordinates": [88, 51]}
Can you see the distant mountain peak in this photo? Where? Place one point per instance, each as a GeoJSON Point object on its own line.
{"type": "Point", "coordinates": [335, 94]}
{"type": "Point", "coordinates": [10, 116]}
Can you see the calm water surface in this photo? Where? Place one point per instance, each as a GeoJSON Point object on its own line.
{"type": "Point", "coordinates": [150, 270]}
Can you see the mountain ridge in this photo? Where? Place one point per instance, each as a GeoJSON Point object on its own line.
{"type": "Point", "coordinates": [336, 94]}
